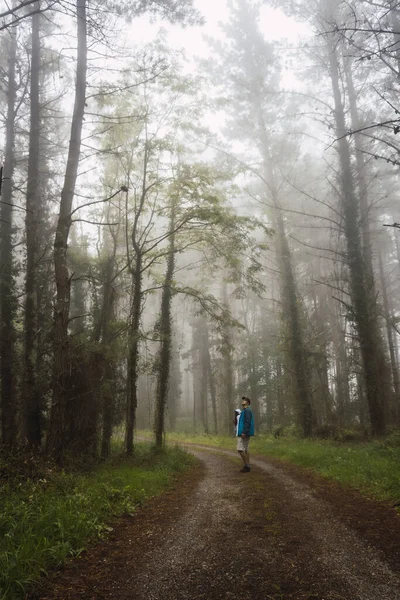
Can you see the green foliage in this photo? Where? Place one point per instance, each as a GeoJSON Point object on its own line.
{"type": "Point", "coordinates": [45, 521]}
{"type": "Point", "coordinates": [371, 467]}
{"type": "Point", "coordinates": [210, 306]}
{"type": "Point", "coordinates": [176, 11]}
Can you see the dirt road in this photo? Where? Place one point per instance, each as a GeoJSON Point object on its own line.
{"type": "Point", "coordinates": [275, 533]}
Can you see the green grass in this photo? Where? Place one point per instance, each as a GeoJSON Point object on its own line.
{"type": "Point", "coordinates": [371, 467]}
{"type": "Point", "coordinates": [44, 522]}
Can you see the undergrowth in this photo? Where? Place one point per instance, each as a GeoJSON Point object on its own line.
{"type": "Point", "coordinates": [46, 520]}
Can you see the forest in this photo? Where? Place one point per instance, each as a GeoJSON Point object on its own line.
{"type": "Point", "coordinates": [184, 224]}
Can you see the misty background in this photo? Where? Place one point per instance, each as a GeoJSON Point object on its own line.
{"type": "Point", "coordinates": [199, 200]}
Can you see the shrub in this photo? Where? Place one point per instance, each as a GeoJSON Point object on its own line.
{"type": "Point", "coordinates": [326, 431]}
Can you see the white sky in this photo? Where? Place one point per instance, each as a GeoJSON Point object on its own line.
{"type": "Point", "coordinates": [274, 24]}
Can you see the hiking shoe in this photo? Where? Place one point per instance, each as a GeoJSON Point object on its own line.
{"type": "Point", "coordinates": [245, 469]}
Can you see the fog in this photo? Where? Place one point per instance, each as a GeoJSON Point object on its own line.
{"type": "Point", "coordinates": [199, 201]}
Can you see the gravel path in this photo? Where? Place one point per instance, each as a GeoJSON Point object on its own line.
{"type": "Point", "coordinates": [264, 535]}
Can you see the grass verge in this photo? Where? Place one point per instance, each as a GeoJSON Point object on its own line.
{"type": "Point", "coordinates": [371, 467]}
{"type": "Point", "coordinates": [46, 521]}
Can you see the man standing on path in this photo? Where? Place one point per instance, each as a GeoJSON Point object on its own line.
{"type": "Point", "coordinates": [244, 432]}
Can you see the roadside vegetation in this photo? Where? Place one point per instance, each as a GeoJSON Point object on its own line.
{"type": "Point", "coordinates": [54, 515]}
{"type": "Point", "coordinates": [174, 238]}
{"type": "Point", "coordinates": [372, 466]}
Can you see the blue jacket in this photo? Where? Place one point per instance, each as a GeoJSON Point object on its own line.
{"type": "Point", "coordinates": [246, 422]}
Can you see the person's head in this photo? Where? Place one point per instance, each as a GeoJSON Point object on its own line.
{"type": "Point", "coordinates": [245, 402]}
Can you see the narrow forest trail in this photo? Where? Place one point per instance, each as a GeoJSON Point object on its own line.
{"type": "Point", "coordinates": [275, 533]}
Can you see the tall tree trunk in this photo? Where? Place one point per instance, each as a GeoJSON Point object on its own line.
{"type": "Point", "coordinates": [136, 304]}
{"type": "Point", "coordinates": [397, 246]}
{"type": "Point", "coordinates": [272, 375]}
{"type": "Point", "coordinates": [173, 408]}
{"type": "Point", "coordinates": [361, 395]}
{"type": "Point", "coordinates": [195, 375]}
{"type": "Point", "coordinates": [204, 375]}
{"type": "Point", "coordinates": [255, 402]}
{"type": "Point", "coordinates": [269, 396]}
{"type": "Point", "coordinates": [57, 440]}
{"type": "Point", "coordinates": [32, 401]}
{"type": "Point", "coordinates": [297, 351]}
{"type": "Point", "coordinates": [227, 366]}
{"type": "Point", "coordinates": [280, 396]}
{"type": "Point", "coordinates": [396, 350]}
{"type": "Point", "coordinates": [365, 309]}
{"type": "Point", "coordinates": [211, 383]}
{"type": "Point", "coordinates": [133, 354]}
{"type": "Point", "coordinates": [108, 412]}
{"type": "Point", "coordinates": [108, 393]}
{"type": "Point", "coordinates": [394, 406]}
{"type": "Point", "coordinates": [324, 397]}
{"type": "Point", "coordinates": [252, 364]}
{"type": "Point", "coordinates": [103, 333]}
{"type": "Point", "coordinates": [341, 364]}
{"type": "Point", "coordinates": [7, 297]}
{"type": "Point", "coordinates": [361, 180]}
{"type": "Point", "coordinates": [166, 341]}
{"type": "Point", "coordinates": [78, 284]}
